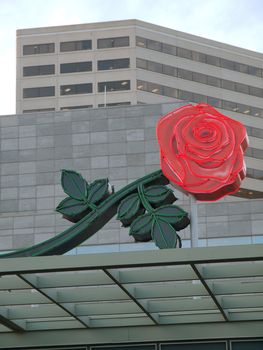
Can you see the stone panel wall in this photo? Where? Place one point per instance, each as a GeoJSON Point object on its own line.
{"type": "Point", "coordinates": [118, 143]}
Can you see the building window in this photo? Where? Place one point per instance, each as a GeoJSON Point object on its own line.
{"type": "Point", "coordinates": [185, 74]}
{"type": "Point", "coordinates": [227, 84]}
{"type": "Point", "coordinates": [258, 72]}
{"type": "Point", "coordinates": [38, 49]}
{"type": "Point", "coordinates": [198, 98]}
{"type": "Point", "coordinates": [44, 91]}
{"type": "Point", "coordinates": [184, 53]}
{"type": "Point", "coordinates": [227, 64]}
{"type": "Point", "coordinates": [113, 42]}
{"type": "Point", "coordinates": [255, 91]}
{"type": "Point", "coordinates": [214, 102]}
{"type": "Point", "coordinates": [76, 67]}
{"type": "Point", "coordinates": [31, 71]}
{"type": "Point", "coordinates": [198, 77]}
{"type": "Point", "coordinates": [154, 45]}
{"type": "Point", "coordinates": [141, 42]}
{"type": "Point", "coordinates": [185, 95]}
{"type": "Point", "coordinates": [155, 67]}
{"type": "Point", "coordinates": [243, 88]}
{"type": "Point", "coordinates": [170, 70]}
{"type": "Point", "coordinates": [189, 96]}
{"type": "Point", "coordinates": [213, 81]}
{"type": "Point", "coordinates": [254, 152]}
{"type": "Point", "coordinates": [114, 104]}
{"type": "Point", "coordinates": [240, 67]}
{"type": "Point", "coordinates": [169, 49]}
{"type": "Point", "coordinates": [213, 60]}
{"type": "Point", "coordinates": [76, 89]}
{"type": "Point", "coordinates": [68, 108]}
{"type": "Point", "coordinates": [38, 110]}
{"type": "Point", "coordinates": [110, 86]}
{"type": "Point", "coordinates": [198, 56]}
{"type": "Point", "coordinates": [75, 45]}
{"type": "Point", "coordinates": [140, 63]}
{"type": "Point", "coordinates": [114, 64]}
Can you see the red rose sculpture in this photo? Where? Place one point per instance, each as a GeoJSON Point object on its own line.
{"type": "Point", "coordinates": [202, 151]}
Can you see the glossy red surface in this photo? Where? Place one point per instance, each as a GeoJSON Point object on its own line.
{"type": "Point", "coordinates": [202, 151]}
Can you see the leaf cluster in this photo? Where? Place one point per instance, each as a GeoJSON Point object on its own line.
{"type": "Point", "coordinates": [151, 216]}
{"type": "Point", "coordinates": [82, 197]}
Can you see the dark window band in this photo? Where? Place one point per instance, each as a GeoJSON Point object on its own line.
{"type": "Point", "coordinates": [76, 67]}
{"type": "Point", "coordinates": [44, 91]}
{"type": "Point", "coordinates": [110, 86]}
{"type": "Point", "coordinates": [114, 64]}
{"type": "Point", "coordinates": [31, 71]}
{"type": "Point", "coordinates": [199, 77]}
{"type": "Point", "coordinates": [194, 97]}
{"type": "Point", "coordinates": [36, 49]}
{"type": "Point", "coordinates": [76, 89]}
{"type": "Point", "coordinates": [106, 43]}
{"type": "Point", "coordinates": [67, 46]}
{"type": "Point", "coordinates": [198, 56]}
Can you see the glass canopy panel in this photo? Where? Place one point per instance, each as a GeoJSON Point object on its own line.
{"type": "Point", "coordinates": [154, 274]}
{"type": "Point", "coordinates": [204, 285]}
{"type": "Point", "coordinates": [238, 288]}
{"type": "Point", "coordinates": [72, 278]}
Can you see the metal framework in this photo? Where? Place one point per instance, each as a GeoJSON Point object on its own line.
{"type": "Point", "coordinates": [200, 292]}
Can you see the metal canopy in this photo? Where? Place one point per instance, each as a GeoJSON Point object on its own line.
{"type": "Point", "coordinates": [153, 288]}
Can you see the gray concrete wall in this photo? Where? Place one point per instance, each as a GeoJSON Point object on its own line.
{"type": "Point", "coordinates": [118, 143]}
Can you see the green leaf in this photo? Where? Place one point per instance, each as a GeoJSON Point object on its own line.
{"type": "Point", "coordinates": [163, 234]}
{"type": "Point", "coordinates": [129, 209]}
{"type": "Point", "coordinates": [98, 191]}
{"type": "Point", "coordinates": [174, 215]}
{"type": "Point", "coordinates": [141, 228]}
{"type": "Point", "coordinates": [72, 209]}
{"type": "Point", "coordinates": [74, 185]}
{"type": "Point", "coordinates": [158, 195]}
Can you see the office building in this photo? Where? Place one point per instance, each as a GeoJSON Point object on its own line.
{"type": "Point", "coordinates": [188, 299]}
{"type": "Point", "coordinates": [132, 62]}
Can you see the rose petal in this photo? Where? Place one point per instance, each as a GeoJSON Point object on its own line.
{"type": "Point", "coordinates": [174, 172]}
{"type": "Point", "coordinates": [202, 151]}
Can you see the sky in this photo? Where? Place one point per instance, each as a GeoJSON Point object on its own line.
{"type": "Point", "coordinates": [236, 22]}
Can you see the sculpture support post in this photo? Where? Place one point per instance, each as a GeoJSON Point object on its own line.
{"type": "Point", "coordinates": [194, 222]}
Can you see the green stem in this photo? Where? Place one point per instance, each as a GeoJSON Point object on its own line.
{"type": "Point", "coordinates": [91, 205]}
{"type": "Point", "coordinates": [88, 225]}
{"type": "Point", "coordinates": [144, 200]}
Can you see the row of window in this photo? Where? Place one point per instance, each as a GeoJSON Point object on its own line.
{"type": "Point", "coordinates": [43, 91]}
{"type": "Point", "coordinates": [254, 153]}
{"type": "Point", "coordinates": [256, 132]}
{"type": "Point", "coordinates": [68, 108]}
{"type": "Point", "coordinates": [198, 56]}
{"type": "Point", "coordinates": [75, 89]}
{"type": "Point", "coordinates": [198, 77]}
{"type": "Point", "coordinates": [76, 67]}
{"type": "Point", "coordinates": [194, 97]}
{"type": "Point", "coordinates": [38, 110]}
{"type": "Point", "coordinates": [76, 45]}
{"type": "Point", "coordinates": [255, 173]}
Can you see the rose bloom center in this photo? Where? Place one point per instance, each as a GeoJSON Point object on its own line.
{"type": "Point", "coordinates": [204, 134]}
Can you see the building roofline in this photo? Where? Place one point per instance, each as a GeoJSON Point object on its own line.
{"type": "Point", "coordinates": [136, 23]}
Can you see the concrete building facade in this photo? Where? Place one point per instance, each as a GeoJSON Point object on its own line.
{"type": "Point", "coordinates": [132, 62]}
{"type": "Point", "coordinates": [118, 143]}
{"type": "Point", "coordinates": [68, 72]}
